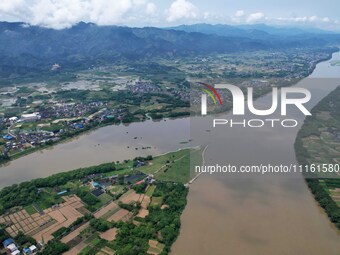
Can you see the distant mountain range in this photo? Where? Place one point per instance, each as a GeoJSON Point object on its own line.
{"type": "Point", "coordinates": [25, 48]}
{"type": "Point", "coordinates": [257, 31]}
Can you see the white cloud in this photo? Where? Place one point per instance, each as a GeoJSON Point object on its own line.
{"type": "Point", "coordinates": [151, 9]}
{"type": "Point", "coordinates": [104, 12]}
{"type": "Point", "coordinates": [255, 17]}
{"type": "Point", "coordinates": [305, 19]}
{"type": "Point", "coordinates": [239, 13]}
{"type": "Point", "coordinates": [313, 18]}
{"type": "Point", "coordinates": [55, 14]}
{"type": "Point", "coordinates": [206, 15]}
{"type": "Point", "coordinates": [300, 19]}
{"type": "Point", "coordinates": [13, 8]}
{"type": "Point", "coordinates": [325, 23]}
{"type": "Point", "coordinates": [65, 13]}
{"type": "Point", "coordinates": [10, 6]}
{"type": "Point", "coordinates": [180, 10]}
{"type": "Point", "coordinates": [326, 19]}
{"type": "Point", "coordinates": [238, 17]}
{"type": "Point", "coordinates": [139, 2]}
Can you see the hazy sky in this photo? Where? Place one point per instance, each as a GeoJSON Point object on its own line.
{"type": "Point", "coordinates": [64, 13]}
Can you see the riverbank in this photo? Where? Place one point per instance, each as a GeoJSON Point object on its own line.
{"type": "Point", "coordinates": [63, 139]}
{"type": "Point", "coordinates": [317, 143]}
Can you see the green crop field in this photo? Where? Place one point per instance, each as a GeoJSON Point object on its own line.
{"type": "Point", "coordinates": [174, 166]}
{"type": "Point", "coordinates": [30, 209]}
{"type": "Point", "coordinates": [150, 190]}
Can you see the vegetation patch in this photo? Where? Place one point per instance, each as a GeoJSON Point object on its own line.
{"type": "Point", "coordinates": [122, 223]}
{"type": "Point", "coordinates": [318, 142]}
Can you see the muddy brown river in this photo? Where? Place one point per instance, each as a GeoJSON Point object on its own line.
{"type": "Point", "coordinates": [262, 214]}
{"type": "Point", "coordinates": [105, 144]}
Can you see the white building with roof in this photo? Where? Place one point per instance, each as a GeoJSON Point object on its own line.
{"type": "Point", "coordinates": [12, 248]}
{"type": "Point", "coordinates": [13, 119]}
{"type": "Point", "coordinates": [16, 252]}
{"type": "Point", "coordinates": [30, 117]}
{"type": "Point", "coordinates": [33, 248]}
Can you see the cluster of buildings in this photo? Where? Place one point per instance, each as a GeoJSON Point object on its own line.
{"type": "Point", "coordinates": [27, 140]}
{"type": "Point", "coordinates": [182, 95]}
{"type": "Point", "coordinates": [16, 139]}
{"type": "Point", "coordinates": [70, 110]}
{"type": "Point", "coordinates": [144, 87]}
{"type": "Point", "coordinates": [98, 183]}
{"type": "Point", "coordinates": [11, 247]}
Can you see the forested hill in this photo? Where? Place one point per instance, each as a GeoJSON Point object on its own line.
{"type": "Point", "coordinates": [25, 48]}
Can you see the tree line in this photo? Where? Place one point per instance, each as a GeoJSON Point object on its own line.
{"type": "Point", "coordinates": [26, 193]}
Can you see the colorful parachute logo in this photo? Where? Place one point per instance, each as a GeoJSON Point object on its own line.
{"type": "Point", "coordinates": [211, 91]}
